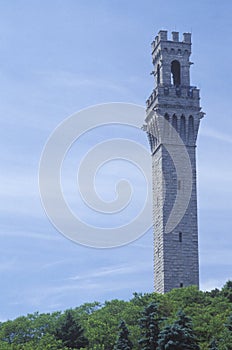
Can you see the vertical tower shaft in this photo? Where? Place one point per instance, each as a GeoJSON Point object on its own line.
{"type": "Point", "coordinates": [172, 122]}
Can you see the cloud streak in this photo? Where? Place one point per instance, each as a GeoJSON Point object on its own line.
{"type": "Point", "coordinates": [216, 135]}
{"type": "Point", "coordinates": [112, 271]}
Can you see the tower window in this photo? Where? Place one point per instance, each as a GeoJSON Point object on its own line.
{"type": "Point", "coordinates": [174, 121]}
{"type": "Point", "coordinates": [180, 237]}
{"type": "Point", "coordinates": [190, 129]}
{"type": "Point", "coordinates": [181, 285]}
{"type": "Point", "coordinates": [158, 74]}
{"type": "Point", "coordinates": [175, 69]}
{"type": "Point", "coordinates": [183, 127]}
{"type": "Point", "coordinates": [166, 116]}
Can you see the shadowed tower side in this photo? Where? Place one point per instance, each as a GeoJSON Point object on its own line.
{"type": "Point", "coordinates": [172, 123]}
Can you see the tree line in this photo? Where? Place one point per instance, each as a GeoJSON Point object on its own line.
{"type": "Point", "coordinates": [183, 319]}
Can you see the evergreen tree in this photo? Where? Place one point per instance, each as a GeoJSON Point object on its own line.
{"type": "Point", "coordinates": [226, 335]}
{"type": "Point", "coordinates": [178, 336]}
{"type": "Point", "coordinates": [149, 325]}
{"type": "Point", "coordinates": [228, 325]}
{"type": "Point", "coordinates": [70, 332]}
{"type": "Point", "coordinates": [123, 342]}
{"type": "Point", "coordinates": [213, 345]}
{"type": "Point", "coordinates": [227, 290]}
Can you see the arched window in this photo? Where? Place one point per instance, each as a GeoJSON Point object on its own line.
{"type": "Point", "coordinates": [166, 127]}
{"type": "Point", "coordinates": [174, 121]}
{"type": "Point", "coordinates": [190, 129]}
{"type": "Point", "coordinates": [158, 74]}
{"type": "Point", "coordinates": [182, 128]}
{"type": "Point", "coordinates": [175, 69]}
{"type": "Point", "coordinates": [166, 116]}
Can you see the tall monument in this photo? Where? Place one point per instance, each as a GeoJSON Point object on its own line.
{"type": "Point", "coordinates": [172, 122]}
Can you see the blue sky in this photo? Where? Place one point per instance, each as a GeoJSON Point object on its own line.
{"type": "Point", "coordinates": [57, 57]}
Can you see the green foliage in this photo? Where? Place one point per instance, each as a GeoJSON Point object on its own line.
{"type": "Point", "coordinates": [70, 332]}
{"type": "Point", "coordinates": [149, 324]}
{"type": "Point", "coordinates": [178, 336]}
{"type": "Point", "coordinates": [213, 345]}
{"type": "Point", "coordinates": [150, 313]}
{"type": "Point", "coordinates": [227, 290]}
{"type": "Point", "coordinates": [228, 324]}
{"type": "Point", "coordinates": [102, 325]}
{"type": "Point", "coordinates": [123, 342]}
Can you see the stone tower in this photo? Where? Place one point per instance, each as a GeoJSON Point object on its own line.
{"type": "Point", "coordinates": [172, 122]}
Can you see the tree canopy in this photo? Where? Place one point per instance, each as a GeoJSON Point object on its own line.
{"type": "Point", "coordinates": [179, 335]}
{"type": "Point", "coordinates": [123, 341]}
{"type": "Point", "coordinates": [205, 320]}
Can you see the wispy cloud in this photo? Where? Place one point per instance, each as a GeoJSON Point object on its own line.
{"type": "Point", "coordinates": [219, 255]}
{"type": "Point", "coordinates": [7, 265]}
{"type": "Point", "coordinates": [216, 135]}
{"type": "Point", "coordinates": [23, 185]}
{"type": "Point", "coordinates": [30, 235]}
{"type": "Point", "coordinates": [68, 79]}
{"type": "Point", "coordinates": [210, 284]}
{"type": "Point", "coordinates": [112, 270]}
{"type": "Point", "coordinates": [59, 262]}
{"type": "Point", "coordinates": [89, 286]}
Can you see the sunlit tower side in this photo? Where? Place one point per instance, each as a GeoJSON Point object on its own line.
{"type": "Point", "coordinates": [176, 262]}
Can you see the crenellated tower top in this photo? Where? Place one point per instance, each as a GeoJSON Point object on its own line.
{"type": "Point", "coordinates": [173, 95]}
{"type": "Point", "coordinates": [171, 59]}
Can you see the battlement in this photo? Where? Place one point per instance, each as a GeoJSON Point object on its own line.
{"type": "Point", "coordinates": [186, 96]}
{"type": "Point", "coordinates": [170, 58]}
{"type": "Point", "coordinates": [163, 36]}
